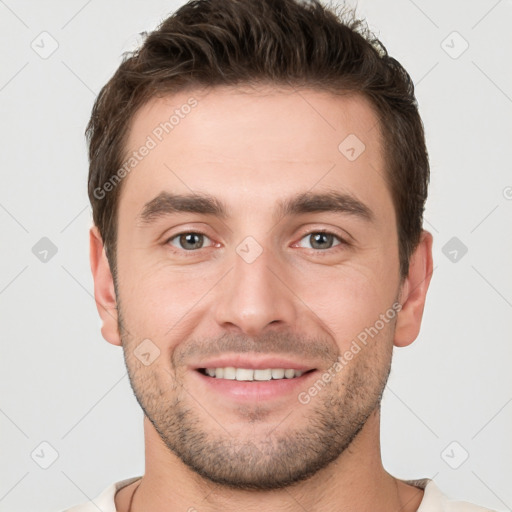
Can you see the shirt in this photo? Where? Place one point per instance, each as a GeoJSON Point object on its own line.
{"type": "Point", "coordinates": [433, 499]}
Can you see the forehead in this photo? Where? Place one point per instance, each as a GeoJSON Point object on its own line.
{"type": "Point", "coordinates": [254, 141]}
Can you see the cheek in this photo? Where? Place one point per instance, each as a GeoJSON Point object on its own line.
{"type": "Point", "coordinates": [157, 300]}
{"type": "Point", "coordinates": [347, 300]}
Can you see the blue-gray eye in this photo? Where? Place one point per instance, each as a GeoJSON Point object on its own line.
{"type": "Point", "coordinates": [188, 241]}
{"type": "Point", "coordinates": [321, 240]}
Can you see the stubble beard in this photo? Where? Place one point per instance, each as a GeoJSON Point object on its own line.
{"type": "Point", "coordinates": [262, 457]}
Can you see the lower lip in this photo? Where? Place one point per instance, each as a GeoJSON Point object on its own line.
{"type": "Point", "coordinates": [256, 390]}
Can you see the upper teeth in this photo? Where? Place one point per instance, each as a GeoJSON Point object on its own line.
{"type": "Point", "coordinates": [232, 373]}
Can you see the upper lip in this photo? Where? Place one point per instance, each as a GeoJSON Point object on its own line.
{"type": "Point", "coordinates": [253, 362]}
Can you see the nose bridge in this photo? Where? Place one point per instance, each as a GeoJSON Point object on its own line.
{"type": "Point", "coordinates": [254, 297]}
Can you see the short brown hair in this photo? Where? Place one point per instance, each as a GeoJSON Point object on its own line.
{"type": "Point", "coordinates": [208, 43]}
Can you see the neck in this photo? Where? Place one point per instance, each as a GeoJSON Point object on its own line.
{"type": "Point", "coordinates": [355, 481]}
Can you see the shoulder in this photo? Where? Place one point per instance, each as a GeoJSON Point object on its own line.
{"type": "Point", "coordinates": [104, 501]}
{"type": "Point", "coordinates": [435, 501]}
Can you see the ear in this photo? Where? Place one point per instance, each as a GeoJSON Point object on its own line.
{"type": "Point", "coordinates": [104, 292]}
{"type": "Point", "coordinates": [413, 292]}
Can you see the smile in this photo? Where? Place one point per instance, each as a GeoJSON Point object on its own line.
{"type": "Point", "coordinates": [249, 374]}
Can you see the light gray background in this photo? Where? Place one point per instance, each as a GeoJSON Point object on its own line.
{"type": "Point", "coordinates": [64, 385]}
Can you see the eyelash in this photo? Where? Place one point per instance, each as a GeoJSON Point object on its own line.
{"type": "Point", "coordinates": [192, 252]}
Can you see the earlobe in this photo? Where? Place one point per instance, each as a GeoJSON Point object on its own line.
{"type": "Point", "coordinates": [104, 291]}
{"type": "Point", "coordinates": [413, 292]}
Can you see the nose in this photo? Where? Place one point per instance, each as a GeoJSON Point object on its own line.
{"type": "Point", "coordinates": [255, 296]}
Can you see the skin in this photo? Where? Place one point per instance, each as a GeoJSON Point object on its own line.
{"type": "Point", "coordinates": [252, 149]}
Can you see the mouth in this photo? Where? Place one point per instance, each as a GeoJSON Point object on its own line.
{"type": "Point", "coordinates": [250, 382]}
{"type": "Point", "coordinates": [251, 374]}
{"type": "Point", "coordinates": [251, 377]}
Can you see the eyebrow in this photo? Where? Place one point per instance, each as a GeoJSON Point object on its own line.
{"type": "Point", "coordinates": [167, 203]}
{"type": "Point", "coordinates": [332, 201]}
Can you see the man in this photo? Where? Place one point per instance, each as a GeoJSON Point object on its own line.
{"type": "Point", "coordinates": [258, 175]}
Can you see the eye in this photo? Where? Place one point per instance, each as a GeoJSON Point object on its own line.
{"type": "Point", "coordinates": [321, 240]}
{"type": "Point", "coordinates": [188, 241]}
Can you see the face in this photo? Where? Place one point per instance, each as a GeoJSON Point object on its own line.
{"type": "Point", "coordinates": [254, 237]}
